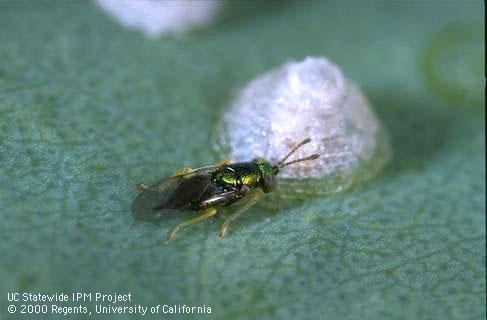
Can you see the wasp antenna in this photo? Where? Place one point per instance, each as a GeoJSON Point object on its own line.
{"type": "Point", "coordinates": [299, 145]}
{"type": "Point", "coordinates": [311, 157]}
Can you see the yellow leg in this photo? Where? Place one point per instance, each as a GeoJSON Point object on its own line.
{"type": "Point", "coordinates": [250, 200]}
{"type": "Point", "coordinates": [222, 162]}
{"type": "Point", "coordinates": [163, 184]}
{"type": "Point", "coordinates": [205, 214]}
{"type": "Point", "coordinates": [182, 171]}
{"type": "Point", "coordinates": [268, 204]}
{"type": "Point", "coordinates": [141, 186]}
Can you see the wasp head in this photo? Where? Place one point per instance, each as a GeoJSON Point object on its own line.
{"type": "Point", "coordinates": [267, 173]}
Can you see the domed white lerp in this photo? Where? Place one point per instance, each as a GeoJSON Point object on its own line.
{"type": "Point", "coordinates": [307, 99]}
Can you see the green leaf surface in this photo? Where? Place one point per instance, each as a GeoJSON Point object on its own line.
{"type": "Point", "coordinates": [88, 108]}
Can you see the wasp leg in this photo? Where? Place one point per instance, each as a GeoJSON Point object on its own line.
{"type": "Point", "coordinates": [162, 185]}
{"type": "Point", "coordinates": [223, 162]}
{"type": "Point", "coordinates": [182, 171]}
{"type": "Point", "coordinates": [205, 214]}
{"type": "Point", "coordinates": [269, 204]}
{"type": "Point", "coordinates": [141, 186]}
{"type": "Point", "coordinates": [250, 200]}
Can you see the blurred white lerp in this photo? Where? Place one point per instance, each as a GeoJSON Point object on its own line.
{"type": "Point", "coordinates": [154, 17]}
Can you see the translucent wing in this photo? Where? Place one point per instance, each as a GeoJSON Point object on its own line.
{"type": "Point", "coordinates": [178, 192]}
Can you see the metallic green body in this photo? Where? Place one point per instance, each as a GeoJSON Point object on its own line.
{"type": "Point", "coordinates": [236, 179]}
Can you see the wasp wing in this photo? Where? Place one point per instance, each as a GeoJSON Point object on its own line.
{"type": "Point", "coordinates": [179, 192]}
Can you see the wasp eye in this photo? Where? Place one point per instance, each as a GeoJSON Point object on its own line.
{"type": "Point", "coordinates": [268, 183]}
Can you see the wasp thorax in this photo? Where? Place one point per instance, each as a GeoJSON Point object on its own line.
{"type": "Point", "coordinates": [307, 99]}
